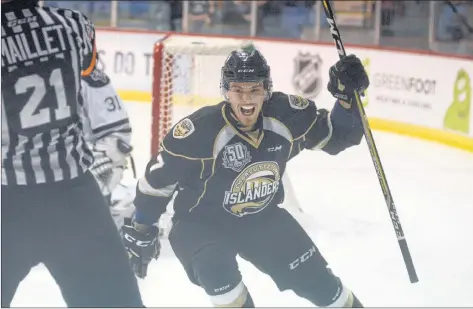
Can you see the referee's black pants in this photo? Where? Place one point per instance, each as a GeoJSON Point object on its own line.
{"type": "Point", "coordinates": [66, 226]}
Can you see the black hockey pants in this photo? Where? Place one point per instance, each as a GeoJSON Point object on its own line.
{"type": "Point", "coordinates": [277, 245]}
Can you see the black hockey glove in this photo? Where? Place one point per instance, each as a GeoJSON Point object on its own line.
{"type": "Point", "coordinates": [346, 76]}
{"type": "Point", "coordinates": [142, 246]}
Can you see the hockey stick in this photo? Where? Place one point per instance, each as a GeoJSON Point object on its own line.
{"type": "Point", "coordinates": [374, 154]}
{"type": "Point", "coordinates": [462, 18]}
{"type": "Point", "coordinates": [133, 167]}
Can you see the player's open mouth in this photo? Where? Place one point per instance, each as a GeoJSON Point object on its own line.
{"type": "Point", "coordinates": [247, 110]}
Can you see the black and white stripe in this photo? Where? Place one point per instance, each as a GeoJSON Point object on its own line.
{"type": "Point", "coordinates": [121, 126]}
{"type": "Point", "coordinates": [58, 155]}
{"type": "Point", "coordinates": [55, 151]}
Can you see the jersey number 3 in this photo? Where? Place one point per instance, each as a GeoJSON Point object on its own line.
{"type": "Point", "coordinates": [30, 116]}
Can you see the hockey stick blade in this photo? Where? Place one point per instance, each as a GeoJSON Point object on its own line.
{"type": "Point", "coordinates": [374, 154]}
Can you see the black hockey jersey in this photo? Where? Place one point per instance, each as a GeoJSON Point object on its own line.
{"type": "Point", "coordinates": [221, 172]}
{"type": "Point", "coordinates": [45, 51]}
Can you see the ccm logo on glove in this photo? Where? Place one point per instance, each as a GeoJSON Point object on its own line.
{"type": "Point", "coordinates": [139, 243]}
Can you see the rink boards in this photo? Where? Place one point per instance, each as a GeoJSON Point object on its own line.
{"type": "Point", "coordinates": [414, 93]}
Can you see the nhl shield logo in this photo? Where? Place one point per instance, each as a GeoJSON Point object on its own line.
{"type": "Point", "coordinates": [307, 79]}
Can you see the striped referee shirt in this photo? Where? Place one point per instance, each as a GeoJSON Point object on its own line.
{"type": "Point", "coordinates": [44, 53]}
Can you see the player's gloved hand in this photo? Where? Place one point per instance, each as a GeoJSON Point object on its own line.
{"type": "Point", "coordinates": [142, 244]}
{"type": "Point", "coordinates": [102, 167]}
{"type": "Point", "coordinates": [109, 162]}
{"type": "Point", "coordinates": [346, 76]}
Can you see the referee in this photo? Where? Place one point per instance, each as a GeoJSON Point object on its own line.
{"type": "Point", "coordinates": [52, 209]}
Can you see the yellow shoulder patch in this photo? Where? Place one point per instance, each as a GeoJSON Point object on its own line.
{"type": "Point", "coordinates": [298, 102]}
{"type": "Point", "coordinates": [183, 129]}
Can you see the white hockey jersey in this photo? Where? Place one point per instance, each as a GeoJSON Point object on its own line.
{"type": "Point", "coordinates": [104, 111]}
{"type": "Point", "coordinates": [105, 121]}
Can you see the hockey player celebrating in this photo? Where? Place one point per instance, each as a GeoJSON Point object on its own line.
{"type": "Point", "coordinates": [107, 129]}
{"type": "Point", "coordinates": [226, 162]}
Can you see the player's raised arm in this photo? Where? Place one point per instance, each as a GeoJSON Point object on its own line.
{"type": "Point", "coordinates": [340, 128]}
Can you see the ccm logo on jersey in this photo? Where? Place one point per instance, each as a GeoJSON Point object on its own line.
{"type": "Point", "coordinates": [183, 129]}
{"type": "Point", "coordinates": [277, 148]}
{"type": "Point", "coordinates": [298, 102]}
{"type": "Point", "coordinates": [22, 21]}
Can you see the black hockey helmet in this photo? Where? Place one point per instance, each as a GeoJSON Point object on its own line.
{"type": "Point", "coordinates": [246, 66]}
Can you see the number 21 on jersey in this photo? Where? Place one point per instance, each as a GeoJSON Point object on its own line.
{"type": "Point", "coordinates": [30, 115]}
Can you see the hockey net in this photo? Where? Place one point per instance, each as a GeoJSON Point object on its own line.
{"type": "Point", "coordinates": [186, 77]}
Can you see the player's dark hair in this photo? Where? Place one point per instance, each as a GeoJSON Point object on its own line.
{"type": "Point", "coordinates": [246, 66]}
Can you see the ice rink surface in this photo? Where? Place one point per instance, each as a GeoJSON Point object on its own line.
{"type": "Point", "coordinates": [346, 215]}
